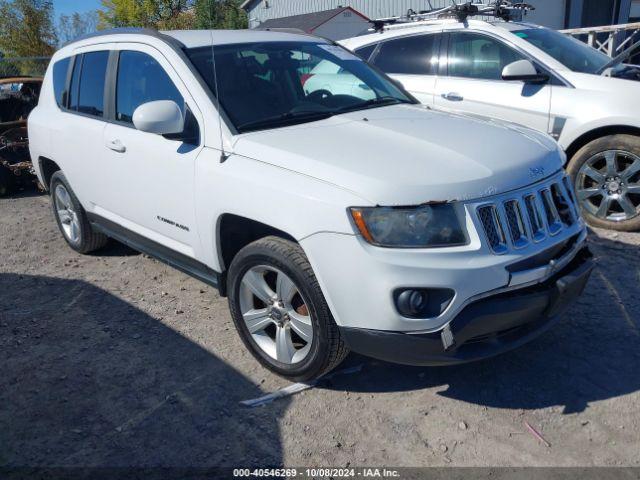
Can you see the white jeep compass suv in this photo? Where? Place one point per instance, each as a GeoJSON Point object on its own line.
{"type": "Point", "coordinates": [332, 221]}
{"type": "Point", "coordinates": [533, 76]}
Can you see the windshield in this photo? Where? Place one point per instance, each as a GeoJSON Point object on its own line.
{"type": "Point", "coordinates": [570, 52]}
{"type": "Point", "coordinates": [274, 84]}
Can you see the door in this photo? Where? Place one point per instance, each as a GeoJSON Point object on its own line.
{"type": "Point", "coordinates": [413, 61]}
{"type": "Point", "coordinates": [150, 178]}
{"type": "Point", "coordinates": [473, 83]}
{"type": "Point", "coordinates": [79, 127]}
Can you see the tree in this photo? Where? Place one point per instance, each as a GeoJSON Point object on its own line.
{"type": "Point", "coordinates": [26, 28]}
{"type": "Point", "coordinates": [158, 14]}
{"type": "Point", "coordinates": [76, 24]}
{"type": "Point", "coordinates": [172, 14]}
{"type": "Point", "coordinates": [225, 14]}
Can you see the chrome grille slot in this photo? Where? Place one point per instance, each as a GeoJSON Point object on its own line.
{"type": "Point", "coordinates": [488, 215]}
{"type": "Point", "coordinates": [528, 217]}
{"type": "Point", "coordinates": [535, 219]}
{"type": "Point", "coordinates": [516, 224]}
{"type": "Point", "coordinates": [569, 189]}
{"type": "Point", "coordinates": [562, 204]}
{"type": "Point", "coordinates": [551, 214]}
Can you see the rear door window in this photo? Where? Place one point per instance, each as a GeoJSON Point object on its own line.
{"type": "Point", "coordinates": [75, 83]}
{"type": "Point", "coordinates": [142, 79]}
{"type": "Point", "coordinates": [92, 80]}
{"type": "Point", "coordinates": [415, 55]}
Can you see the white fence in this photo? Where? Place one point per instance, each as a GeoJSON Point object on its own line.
{"type": "Point", "coordinates": [611, 39]}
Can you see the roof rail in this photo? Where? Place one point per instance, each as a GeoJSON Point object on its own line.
{"type": "Point", "coordinates": [502, 9]}
{"type": "Point", "coordinates": [127, 30]}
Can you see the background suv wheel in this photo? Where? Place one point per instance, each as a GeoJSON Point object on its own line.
{"type": "Point", "coordinates": [606, 176]}
{"type": "Point", "coordinates": [71, 217]}
{"type": "Point", "coordinates": [279, 310]}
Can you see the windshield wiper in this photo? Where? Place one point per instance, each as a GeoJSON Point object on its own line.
{"type": "Point", "coordinates": [289, 118]}
{"type": "Point", "coordinates": [374, 102]}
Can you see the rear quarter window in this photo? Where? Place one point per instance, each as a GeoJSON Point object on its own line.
{"type": "Point", "coordinates": [60, 69]}
{"type": "Point", "coordinates": [365, 52]}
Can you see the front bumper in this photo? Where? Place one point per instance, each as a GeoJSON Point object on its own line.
{"type": "Point", "coordinates": [484, 328]}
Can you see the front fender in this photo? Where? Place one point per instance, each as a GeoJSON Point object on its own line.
{"type": "Point", "coordinates": [571, 135]}
{"type": "Point", "coordinates": [296, 204]}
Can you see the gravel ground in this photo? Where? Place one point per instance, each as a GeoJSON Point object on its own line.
{"type": "Point", "coordinates": [115, 359]}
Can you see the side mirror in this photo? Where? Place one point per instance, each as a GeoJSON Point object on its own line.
{"type": "Point", "coordinates": [162, 117]}
{"type": "Point", "coordinates": [524, 71]}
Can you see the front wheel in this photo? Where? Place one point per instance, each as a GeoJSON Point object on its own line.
{"type": "Point", "coordinates": [606, 176]}
{"type": "Point", "coordinates": [280, 312]}
{"type": "Point", "coordinates": [71, 217]}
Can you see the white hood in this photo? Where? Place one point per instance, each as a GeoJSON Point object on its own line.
{"type": "Point", "coordinates": [407, 155]}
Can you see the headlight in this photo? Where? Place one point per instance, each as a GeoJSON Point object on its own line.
{"type": "Point", "coordinates": [425, 226]}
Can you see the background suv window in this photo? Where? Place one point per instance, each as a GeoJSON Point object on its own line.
{"type": "Point", "coordinates": [141, 79]}
{"type": "Point", "coordinates": [414, 55]}
{"type": "Point", "coordinates": [365, 52]}
{"type": "Point", "coordinates": [90, 98]}
{"type": "Point", "coordinates": [478, 56]}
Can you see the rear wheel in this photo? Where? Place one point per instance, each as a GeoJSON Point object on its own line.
{"type": "Point", "coordinates": [606, 176]}
{"type": "Point", "coordinates": [72, 219]}
{"type": "Point", "coordinates": [280, 312]}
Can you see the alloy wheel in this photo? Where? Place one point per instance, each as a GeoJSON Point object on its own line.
{"type": "Point", "coordinates": [608, 185]}
{"type": "Point", "coordinates": [276, 314]}
{"type": "Point", "coordinates": [66, 214]}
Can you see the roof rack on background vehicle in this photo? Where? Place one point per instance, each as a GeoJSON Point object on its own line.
{"type": "Point", "coordinates": [501, 9]}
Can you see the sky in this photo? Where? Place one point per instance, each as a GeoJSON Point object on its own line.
{"type": "Point", "coordinates": [70, 6]}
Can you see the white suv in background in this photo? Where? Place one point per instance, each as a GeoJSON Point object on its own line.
{"type": "Point", "coordinates": [536, 77]}
{"type": "Point", "coordinates": [341, 221]}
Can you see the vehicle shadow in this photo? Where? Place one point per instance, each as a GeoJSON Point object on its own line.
{"type": "Point", "coordinates": [114, 248]}
{"type": "Point", "coordinates": [90, 381]}
{"type": "Point", "coordinates": [592, 354]}
{"type": "Point", "coordinates": [24, 191]}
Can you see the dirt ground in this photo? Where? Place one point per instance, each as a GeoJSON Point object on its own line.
{"type": "Point", "coordinates": [115, 359]}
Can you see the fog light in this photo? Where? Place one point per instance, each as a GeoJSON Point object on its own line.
{"type": "Point", "coordinates": [422, 302]}
{"type": "Point", "coordinates": [411, 302]}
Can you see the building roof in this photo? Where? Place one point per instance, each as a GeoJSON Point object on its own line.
{"type": "Point", "coordinates": [307, 22]}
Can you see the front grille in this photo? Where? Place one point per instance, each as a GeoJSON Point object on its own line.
{"type": "Point", "coordinates": [493, 228]}
{"type": "Point", "coordinates": [569, 189]}
{"type": "Point", "coordinates": [536, 223]}
{"type": "Point", "coordinates": [529, 217]}
{"type": "Point", "coordinates": [516, 223]}
{"type": "Point", "coordinates": [562, 203]}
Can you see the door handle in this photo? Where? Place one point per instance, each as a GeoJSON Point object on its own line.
{"type": "Point", "coordinates": [453, 97]}
{"type": "Point", "coordinates": [116, 146]}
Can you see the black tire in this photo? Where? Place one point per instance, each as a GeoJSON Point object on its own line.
{"type": "Point", "coordinates": [622, 143]}
{"type": "Point", "coordinates": [327, 347]}
{"type": "Point", "coordinates": [7, 181]}
{"type": "Point", "coordinates": [88, 239]}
